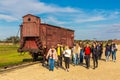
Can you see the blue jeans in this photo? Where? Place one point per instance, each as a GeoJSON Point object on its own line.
{"type": "Point", "coordinates": [51, 64]}
{"type": "Point", "coordinates": [75, 58]}
{"type": "Point", "coordinates": [81, 56]}
{"type": "Point", "coordinates": [114, 55]}
{"type": "Point", "coordinates": [108, 54]}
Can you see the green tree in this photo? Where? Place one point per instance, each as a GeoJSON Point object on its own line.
{"type": "Point", "coordinates": [13, 39]}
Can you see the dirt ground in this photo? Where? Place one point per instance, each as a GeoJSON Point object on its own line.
{"type": "Point", "coordinates": [105, 71]}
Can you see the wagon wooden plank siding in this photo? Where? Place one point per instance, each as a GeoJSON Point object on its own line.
{"type": "Point", "coordinates": [34, 35]}
{"type": "Point", "coordinates": [31, 26]}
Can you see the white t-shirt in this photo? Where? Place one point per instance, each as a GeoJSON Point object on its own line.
{"type": "Point", "coordinates": [67, 53]}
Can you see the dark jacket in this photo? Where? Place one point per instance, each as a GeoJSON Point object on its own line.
{"type": "Point", "coordinates": [107, 49]}
{"type": "Point", "coordinates": [94, 52]}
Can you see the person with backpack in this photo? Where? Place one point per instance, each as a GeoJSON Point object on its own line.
{"type": "Point", "coordinates": [114, 50]}
{"type": "Point", "coordinates": [87, 51]}
{"type": "Point", "coordinates": [52, 55]}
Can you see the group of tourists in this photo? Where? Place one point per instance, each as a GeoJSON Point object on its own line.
{"type": "Point", "coordinates": [78, 53]}
{"type": "Point", "coordinates": [57, 54]}
{"type": "Point", "coordinates": [111, 49]}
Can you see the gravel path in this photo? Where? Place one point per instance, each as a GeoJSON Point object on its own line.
{"type": "Point", "coordinates": [106, 71]}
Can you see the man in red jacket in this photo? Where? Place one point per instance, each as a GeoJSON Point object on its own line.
{"type": "Point", "coordinates": [87, 51]}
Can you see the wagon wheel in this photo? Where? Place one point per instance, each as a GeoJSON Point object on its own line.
{"type": "Point", "coordinates": [34, 55]}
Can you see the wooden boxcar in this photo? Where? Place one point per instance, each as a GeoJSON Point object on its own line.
{"type": "Point", "coordinates": [34, 35]}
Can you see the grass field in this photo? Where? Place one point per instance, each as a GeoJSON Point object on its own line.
{"type": "Point", "coordinates": [9, 55]}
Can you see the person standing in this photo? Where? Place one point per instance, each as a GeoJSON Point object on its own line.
{"type": "Point", "coordinates": [101, 50]}
{"type": "Point", "coordinates": [107, 51]}
{"type": "Point", "coordinates": [114, 50]}
{"type": "Point", "coordinates": [76, 52]}
{"type": "Point", "coordinates": [81, 52]}
{"type": "Point", "coordinates": [52, 57]}
{"type": "Point", "coordinates": [98, 48]}
{"type": "Point", "coordinates": [87, 52]}
{"type": "Point", "coordinates": [67, 55]}
{"type": "Point", "coordinates": [59, 54]}
{"type": "Point", "coordinates": [94, 56]}
{"type": "Point", "coordinates": [72, 49]}
{"type": "Point", "coordinates": [44, 55]}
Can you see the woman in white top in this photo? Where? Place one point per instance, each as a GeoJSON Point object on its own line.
{"type": "Point", "coordinates": [67, 55]}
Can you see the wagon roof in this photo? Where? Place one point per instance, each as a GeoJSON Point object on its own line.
{"type": "Point", "coordinates": [31, 15]}
{"type": "Point", "coordinates": [57, 26]}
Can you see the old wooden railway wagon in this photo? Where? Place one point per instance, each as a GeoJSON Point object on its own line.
{"type": "Point", "coordinates": [34, 35]}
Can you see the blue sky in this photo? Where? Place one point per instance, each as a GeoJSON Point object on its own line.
{"type": "Point", "coordinates": [90, 19]}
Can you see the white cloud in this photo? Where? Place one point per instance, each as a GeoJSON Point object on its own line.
{"type": "Point", "coordinates": [116, 25]}
{"type": "Point", "coordinates": [7, 18]}
{"type": "Point", "coordinates": [53, 20]}
{"type": "Point", "coordinates": [98, 31]}
{"type": "Point", "coordinates": [96, 15]}
{"type": "Point", "coordinates": [114, 29]}
{"type": "Point", "coordinates": [19, 8]}
{"type": "Point", "coordinates": [13, 10]}
{"type": "Point", "coordinates": [90, 19]}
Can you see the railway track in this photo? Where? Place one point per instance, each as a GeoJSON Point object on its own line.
{"type": "Point", "coordinates": [11, 68]}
